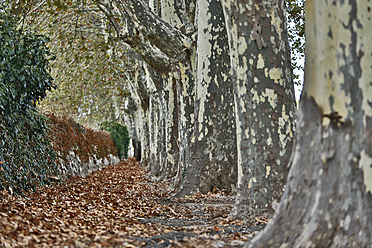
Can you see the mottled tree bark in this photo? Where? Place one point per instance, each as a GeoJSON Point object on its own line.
{"type": "Point", "coordinates": [213, 145]}
{"type": "Point", "coordinates": [164, 41]}
{"type": "Point", "coordinates": [198, 91]}
{"type": "Point", "coordinates": [163, 122]}
{"type": "Point", "coordinates": [138, 110]}
{"type": "Point", "coordinates": [169, 169]}
{"type": "Point", "coordinates": [178, 100]}
{"type": "Point", "coordinates": [328, 202]}
{"type": "Point", "coordinates": [154, 132]}
{"type": "Point", "coordinates": [264, 101]}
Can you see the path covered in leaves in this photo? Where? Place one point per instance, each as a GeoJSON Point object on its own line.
{"type": "Point", "coordinates": [119, 207]}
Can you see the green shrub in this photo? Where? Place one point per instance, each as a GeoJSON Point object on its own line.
{"type": "Point", "coordinates": [24, 75]}
{"type": "Point", "coordinates": [26, 156]}
{"type": "Point", "coordinates": [120, 135]}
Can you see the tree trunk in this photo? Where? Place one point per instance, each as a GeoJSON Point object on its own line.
{"type": "Point", "coordinates": [212, 161]}
{"type": "Point", "coordinates": [193, 61]}
{"type": "Point", "coordinates": [171, 124]}
{"type": "Point", "coordinates": [264, 100]}
{"type": "Point", "coordinates": [138, 104]}
{"type": "Point", "coordinates": [179, 94]}
{"type": "Point", "coordinates": [328, 202]}
{"type": "Point", "coordinates": [154, 132]}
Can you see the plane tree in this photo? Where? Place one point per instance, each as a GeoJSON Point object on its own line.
{"type": "Point", "coordinates": [231, 84]}
{"type": "Point", "coordinates": [327, 201]}
{"type": "Point", "coordinates": [211, 88]}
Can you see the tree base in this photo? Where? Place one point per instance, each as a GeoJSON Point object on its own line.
{"type": "Point", "coordinates": [325, 203]}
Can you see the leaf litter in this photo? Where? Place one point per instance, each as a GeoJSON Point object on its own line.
{"type": "Point", "coordinates": [120, 207]}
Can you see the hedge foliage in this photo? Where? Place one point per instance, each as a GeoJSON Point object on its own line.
{"type": "Point", "coordinates": [26, 156]}
{"type": "Point", "coordinates": [85, 142]}
{"type": "Point", "coordinates": [120, 135]}
{"type": "Point", "coordinates": [24, 68]}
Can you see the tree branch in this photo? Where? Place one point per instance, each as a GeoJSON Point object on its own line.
{"type": "Point", "coordinates": [155, 40]}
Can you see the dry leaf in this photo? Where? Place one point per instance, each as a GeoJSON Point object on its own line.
{"type": "Point", "coordinates": [118, 206]}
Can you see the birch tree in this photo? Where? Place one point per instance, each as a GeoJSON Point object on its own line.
{"type": "Point", "coordinates": [327, 202]}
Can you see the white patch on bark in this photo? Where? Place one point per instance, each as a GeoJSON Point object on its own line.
{"type": "Point", "coordinates": [185, 85]}
{"type": "Point", "coordinates": [365, 164]}
{"type": "Point", "coordinates": [269, 141]}
{"type": "Point", "coordinates": [153, 126]}
{"type": "Point", "coordinates": [325, 54]}
{"type": "Point", "coordinates": [254, 141]}
{"type": "Point", "coordinates": [169, 14]}
{"type": "Point", "coordinates": [242, 45]}
{"type": "Point", "coordinates": [345, 223]}
{"type": "Point", "coordinates": [233, 32]}
{"type": "Point", "coordinates": [268, 168]}
{"type": "Point", "coordinates": [203, 53]}
{"type": "Point", "coordinates": [253, 132]}
{"type": "Point", "coordinates": [283, 120]}
{"type": "Point", "coordinates": [364, 45]}
{"type": "Point", "coordinates": [152, 5]}
{"type": "Point", "coordinates": [238, 140]}
{"type": "Point", "coordinates": [276, 75]}
{"type": "Point", "coordinates": [275, 22]}
{"type": "Point", "coordinates": [260, 62]}
{"type": "Point", "coordinates": [170, 117]}
{"type": "Point", "coordinates": [271, 97]}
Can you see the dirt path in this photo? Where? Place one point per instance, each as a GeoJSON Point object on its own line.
{"type": "Point", "coordinates": [119, 207]}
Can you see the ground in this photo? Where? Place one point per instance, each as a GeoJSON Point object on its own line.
{"type": "Point", "coordinates": [120, 207]}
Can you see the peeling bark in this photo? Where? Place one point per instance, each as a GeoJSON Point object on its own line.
{"type": "Point", "coordinates": [264, 102]}
{"type": "Point", "coordinates": [213, 145]}
{"type": "Point", "coordinates": [138, 105]}
{"type": "Point", "coordinates": [186, 93]}
{"type": "Point", "coordinates": [328, 201]}
{"type": "Point", "coordinates": [199, 111]}
{"type": "Point", "coordinates": [180, 94]}
{"type": "Point", "coordinates": [169, 168]}
{"type": "Point", "coordinates": [155, 40]}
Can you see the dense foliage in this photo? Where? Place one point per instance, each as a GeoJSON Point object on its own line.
{"type": "Point", "coordinates": [86, 143]}
{"type": "Point", "coordinates": [26, 156]}
{"type": "Point", "coordinates": [120, 135]}
{"type": "Point", "coordinates": [89, 69]}
{"type": "Point", "coordinates": [25, 74]}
